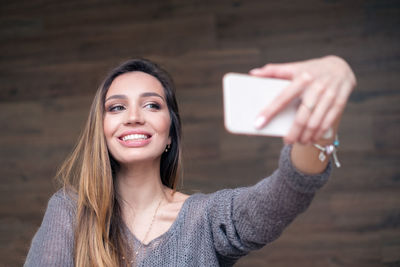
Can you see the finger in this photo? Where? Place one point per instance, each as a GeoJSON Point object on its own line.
{"type": "Point", "coordinates": [281, 71]}
{"type": "Point", "coordinates": [284, 98]}
{"type": "Point", "coordinates": [321, 110]}
{"type": "Point", "coordinates": [335, 111]}
{"type": "Point", "coordinates": [328, 121]}
{"type": "Point", "coordinates": [300, 121]}
{"type": "Point", "coordinates": [325, 102]}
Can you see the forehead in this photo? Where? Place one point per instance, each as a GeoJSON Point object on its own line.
{"type": "Point", "coordinates": [135, 82]}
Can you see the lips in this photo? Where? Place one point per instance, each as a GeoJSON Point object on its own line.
{"type": "Point", "coordinates": [134, 138]}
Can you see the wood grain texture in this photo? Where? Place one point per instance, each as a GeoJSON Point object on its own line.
{"type": "Point", "coordinates": [54, 55]}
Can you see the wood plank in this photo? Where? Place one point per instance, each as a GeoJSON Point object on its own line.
{"type": "Point", "coordinates": [55, 54]}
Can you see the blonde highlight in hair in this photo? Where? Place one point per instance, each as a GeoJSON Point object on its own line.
{"type": "Point", "coordinates": [89, 172]}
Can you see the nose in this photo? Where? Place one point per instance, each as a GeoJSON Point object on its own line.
{"type": "Point", "coordinates": [134, 116]}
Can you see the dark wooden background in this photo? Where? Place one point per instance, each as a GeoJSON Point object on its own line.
{"type": "Point", "coordinates": [53, 55]}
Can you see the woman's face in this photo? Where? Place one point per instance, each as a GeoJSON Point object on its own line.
{"type": "Point", "coordinates": [136, 121]}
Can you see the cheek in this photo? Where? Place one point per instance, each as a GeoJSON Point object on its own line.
{"type": "Point", "coordinates": [165, 124]}
{"type": "Point", "coordinates": [108, 127]}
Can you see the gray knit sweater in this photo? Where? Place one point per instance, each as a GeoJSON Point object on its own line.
{"type": "Point", "coordinates": [210, 230]}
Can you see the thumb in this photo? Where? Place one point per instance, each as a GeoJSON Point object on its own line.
{"type": "Point", "coordinates": [280, 71]}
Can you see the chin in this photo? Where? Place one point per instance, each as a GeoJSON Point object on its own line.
{"type": "Point", "coordinates": [137, 159]}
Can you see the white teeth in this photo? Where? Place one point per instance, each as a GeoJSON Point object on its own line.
{"type": "Point", "coordinates": [134, 137]}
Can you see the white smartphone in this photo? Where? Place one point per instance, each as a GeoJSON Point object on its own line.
{"type": "Point", "coordinates": [244, 98]}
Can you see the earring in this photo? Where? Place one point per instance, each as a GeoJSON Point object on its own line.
{"type": "Point", "coordinates": [167, 148]}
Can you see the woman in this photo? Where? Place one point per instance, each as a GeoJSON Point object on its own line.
{"type": "Point", "coordinates": [119, 206]}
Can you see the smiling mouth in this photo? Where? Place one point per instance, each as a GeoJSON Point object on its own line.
{"type": "Point", "coordinates": [135, 137]}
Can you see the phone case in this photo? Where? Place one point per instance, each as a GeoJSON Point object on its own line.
{"type": "Point", "coordinates": [244, 98]}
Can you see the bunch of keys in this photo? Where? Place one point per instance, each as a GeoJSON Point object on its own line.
{"type": "Point", "coordinates": [328, 150]}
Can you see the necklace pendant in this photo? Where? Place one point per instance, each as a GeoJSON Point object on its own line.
{"type": "Point", "coordinates": [322, 156]}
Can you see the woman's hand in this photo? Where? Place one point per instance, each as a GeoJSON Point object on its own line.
{"type": "Point", "coordinates": [323, 84]}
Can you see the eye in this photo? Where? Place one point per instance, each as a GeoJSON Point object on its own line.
{"type": "Point", "coordinates": [154, 106]}
{"type": "Point", "coordinates": [115, 108]}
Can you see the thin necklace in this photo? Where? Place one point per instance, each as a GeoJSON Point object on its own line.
{"type": "Point", "coordinates": [148, 230]}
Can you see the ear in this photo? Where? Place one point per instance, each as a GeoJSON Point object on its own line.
{"type": "Point", "coordinates": [169, 140]}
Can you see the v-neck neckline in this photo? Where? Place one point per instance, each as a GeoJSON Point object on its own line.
{"type": "Point", "coordinates": [167, 233]}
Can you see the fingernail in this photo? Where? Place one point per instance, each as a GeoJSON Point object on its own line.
{"type": "Point", "coordinates": [255, 71]}
{"type": "Point", "coordinates": [259, 122]}
{"type": "Point", "coordinates": [328, 134]}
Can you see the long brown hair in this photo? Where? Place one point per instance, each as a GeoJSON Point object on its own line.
{"type": "Point", "coordinates": [90, 172]}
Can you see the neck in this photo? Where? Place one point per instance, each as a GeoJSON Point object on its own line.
{"type": "Point", "coordinates": [140, 185]}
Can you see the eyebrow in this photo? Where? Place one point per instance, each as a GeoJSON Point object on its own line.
{"type": "Point", "coordinates": [116, 97]}
{"type": "Point", "coordinates": [146, 94]}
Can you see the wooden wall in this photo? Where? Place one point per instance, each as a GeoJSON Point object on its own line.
{"type": "Point", "coordinates": [55, 53]}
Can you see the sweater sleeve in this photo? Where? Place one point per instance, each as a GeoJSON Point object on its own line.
{"type": "Point", "coordinates": [52, 244]}
{"type": "Point", "coordinates": [246, 219]}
